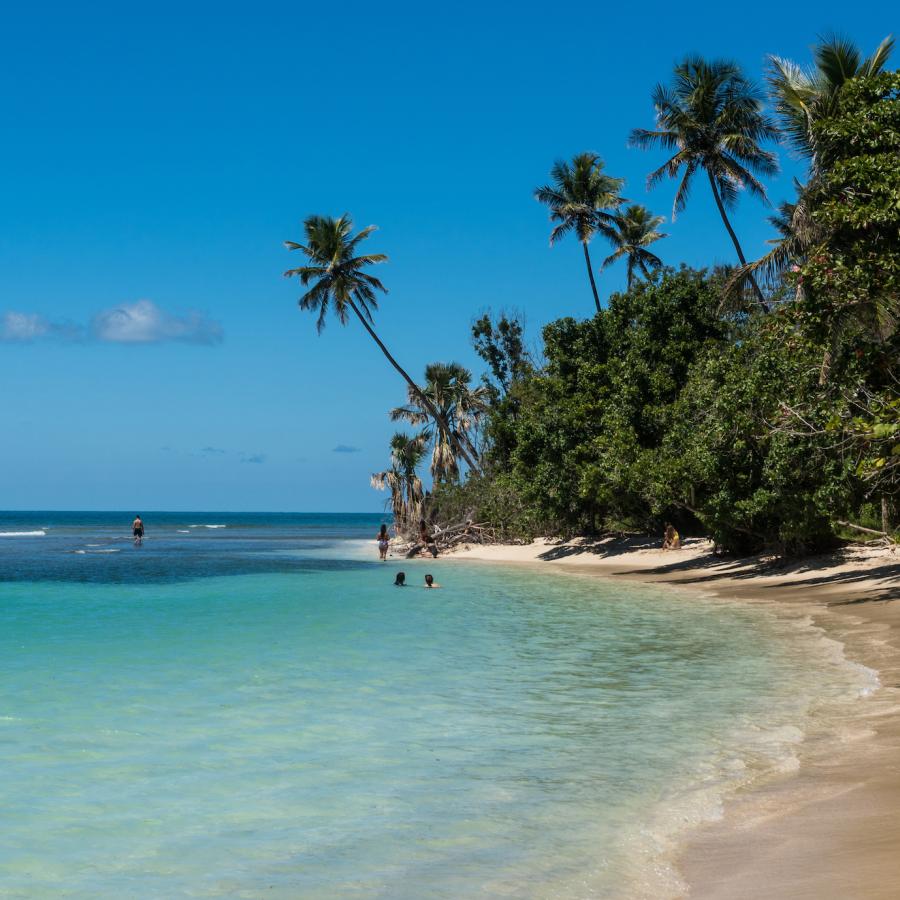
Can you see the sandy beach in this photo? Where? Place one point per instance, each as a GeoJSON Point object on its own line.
{"type": "Point", "coordinates": [831, 829]}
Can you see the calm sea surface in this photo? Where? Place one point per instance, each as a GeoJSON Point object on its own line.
{"type": "Point", "coordinates": [246, 707]}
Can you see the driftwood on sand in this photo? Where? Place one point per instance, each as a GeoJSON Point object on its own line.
{"type": "Point", "coordinates": [445, 538]}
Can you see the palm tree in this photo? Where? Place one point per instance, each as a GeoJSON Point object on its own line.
{"type": "Point", "coordinates": [402, 479]}
{"type": "Point", "coordinates": [631, 233]}
{"type": "Point", "coordinates": [581, 197]}
{"type": "Point", "coordinates": [447, 387]}
{"type": "Point", "coordinates": [338, 280]}
{"type": "Point", "coordinates": [712, 118]}
{"type": "Point", "coordinates": [803, 98]}
{"type": "Point", "coordinates": [796, 232]}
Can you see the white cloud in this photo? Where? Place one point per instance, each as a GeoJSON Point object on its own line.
{"type": "Point", "coordinates": [143, 322]}
{"type": "Point", "coordinates": [17, 326]}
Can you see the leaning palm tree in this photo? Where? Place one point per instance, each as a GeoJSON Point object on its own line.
{"type": "Point", "coordinates": [402, 479]}
{"type": "Point", "coordinates": [804, 97]}
{"type": "Point", "coordinates": [338, 280]}
{"type": "Point", "coordinates": [712, 117]}
{"type": "Point", "coordinates": [796, 232]}
{"type": "Point", "coordinates": [447, 387]}
{"type": "Point", "coordinates": [580, 197]}
{"type": "Point", "coordinates": [631, 233]}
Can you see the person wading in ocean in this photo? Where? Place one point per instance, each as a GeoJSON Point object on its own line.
{"type": "Point", "coordinates": [137, 526]}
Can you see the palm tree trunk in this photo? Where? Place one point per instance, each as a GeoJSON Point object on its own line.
{"type": "Point", "coordinates": [734, 240]}
{"type": "Point", "coordinates": [630, 273]}
{"type": "Point", "coordinates": [587, 259]}
{"type": "Point", "coordinates": [415, 388]}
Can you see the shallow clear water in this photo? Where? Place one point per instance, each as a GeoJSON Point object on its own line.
{"type": "Point", "coordinates": [256, 711]}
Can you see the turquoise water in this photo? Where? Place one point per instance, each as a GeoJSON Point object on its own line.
{"type": "Point", "coordinates": [257, 712]}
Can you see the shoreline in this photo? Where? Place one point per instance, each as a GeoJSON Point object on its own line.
{"type": "Point", "coordinates": [829, 829]}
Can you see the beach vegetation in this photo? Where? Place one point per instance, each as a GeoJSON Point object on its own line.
{"type": "Point", "coordinates": [767, 421]}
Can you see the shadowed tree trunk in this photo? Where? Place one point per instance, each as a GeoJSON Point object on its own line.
{"type": "Point", "coordinates": [418, 391]}
{"type": "Point", "coordinates": [587, 260]}
{"type": "Point", "coordinates": [734, 240]}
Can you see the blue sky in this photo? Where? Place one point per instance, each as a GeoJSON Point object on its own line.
{"type": "Point", "coordinates": [155, 158]}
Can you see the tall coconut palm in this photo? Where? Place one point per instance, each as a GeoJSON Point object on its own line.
{"type": "Point", "coordinates": [580, 197]}
{"type": "Point", "coordinates": [712, 117]}
{"type": "Point", "coordinates": [402, 479]}
{"type": "Point", "coordinates": [803, 97]}
{"type": "Point", "coordinates": [448, 389]}
{"type": "Point", "coordinates": [631, 233]}
{"type": "Point", "coordinates": [338, 280]}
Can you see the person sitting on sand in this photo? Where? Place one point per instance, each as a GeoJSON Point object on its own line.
{"type": "Point", "coordinates": [430, 583]}
{"type": "Point", "coordinates": [137, 526]}
{"type": "Point", "coordinates": [672, 540]}
{"type": "Point", "coordinates": [400, 580]}
{"type": "Point", "coordinates": [425, 537]}
{"type": "Point", "coordinates": [383, 543]}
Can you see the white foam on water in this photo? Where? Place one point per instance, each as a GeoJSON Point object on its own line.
{"type": "Point", "coordinates": [207, 526]}
{"type": "Point", "coordinates": [22, 533]}
{"type": "Point", "coordinates": [183, 531]}
{"type": "Point", "coordinates": [748, 754]}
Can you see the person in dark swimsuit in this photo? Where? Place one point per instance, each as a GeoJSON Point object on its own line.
{"type": "Point", "coordinates": [137, 526]}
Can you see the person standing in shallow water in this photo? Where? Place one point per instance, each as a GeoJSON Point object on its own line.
{"type": "Point", "coordinates": [137, 526]}
{"type": "Point", "coordinates": [383, 543]}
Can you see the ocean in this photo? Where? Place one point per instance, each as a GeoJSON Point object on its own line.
{"type": "Point", "coordinates": [245, 706]}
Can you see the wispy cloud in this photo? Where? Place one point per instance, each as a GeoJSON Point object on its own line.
{"type": "Point", "coordinates": [254, 458]}
{"type": "Point", "coordinates": [212, 451]}
{"type": "Point", "coordinates": [141, 322]}
{"type": "Point", "coordinates": [23, 328]}
{"type": "Point", "coordinates": [346, 448]}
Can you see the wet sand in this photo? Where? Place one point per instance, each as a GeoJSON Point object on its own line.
{"type": "Point", "coordinates": [830, 831]}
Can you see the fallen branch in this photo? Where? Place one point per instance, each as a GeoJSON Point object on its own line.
{"type": "Point", "coordinates": [883, 534]}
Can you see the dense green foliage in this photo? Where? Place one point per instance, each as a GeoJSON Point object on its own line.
{"type": "Point", "coordinates": [765, 425]}
{"type": "Point", "coordinates": [764, 430]}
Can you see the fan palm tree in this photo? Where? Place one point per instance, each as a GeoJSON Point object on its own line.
{"type": "Point", "coordinates": [803, 97]}
{"type": "Point", "coordinates": [447, 387]}
{"type": "Point", "coordinates": [580, 197]}
{"type": "Point", "coordinates": [402, 479]}
{"type": "Point", "coordinates": [631, 233]}
{"type": "Point", "coordinates": [712, 118]}
{"type": "Point", "coordinates": [338, 280]}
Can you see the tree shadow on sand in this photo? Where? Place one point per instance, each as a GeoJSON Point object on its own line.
{"type": "Point", "coordinates": [828, 570]}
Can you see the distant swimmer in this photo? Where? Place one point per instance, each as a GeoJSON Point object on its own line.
{"type": "Point", "coordinates": [430, 582]}
{"type": "Point", "coordinates": [400, 580]}
{"type": "Point", "coordinates": [383, 543]}
{"type": "Point", "coordinates": [137, 526]}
